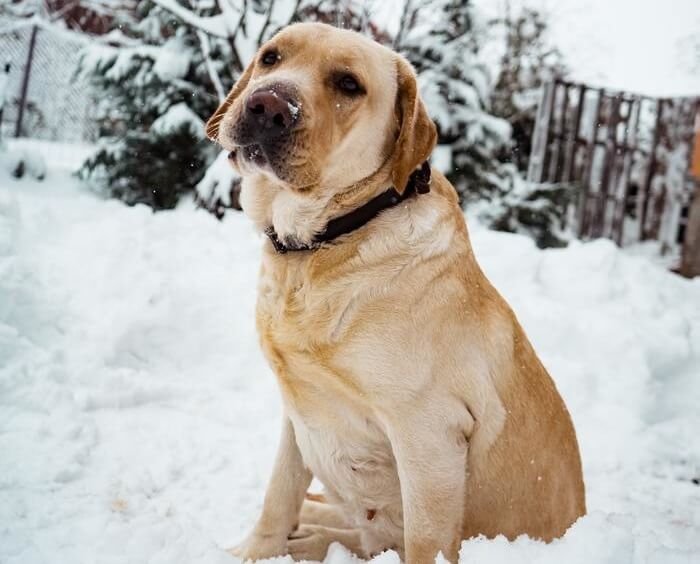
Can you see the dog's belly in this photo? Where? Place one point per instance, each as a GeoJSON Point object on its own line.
{"type": "Point", "coordinates": [352, 457]}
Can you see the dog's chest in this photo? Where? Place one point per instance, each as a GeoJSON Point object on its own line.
{"type": "Point", "coordinates": [340, 439]}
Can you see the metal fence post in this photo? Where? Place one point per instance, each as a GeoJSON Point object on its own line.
{"type": "Point", "coordinates": [4, 84]}
{"type": "Point", "coordinates": [25, 81]}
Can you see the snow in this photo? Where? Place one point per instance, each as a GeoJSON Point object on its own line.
{"type": "Point", "coordinates": [19, 162]}
{"type": "Point", "coordinates": [441, 158]}
{"type": "Point", "coordinates": [177, 117]}
{"type": "Point", "coordinates": [116, 63]}
{"type": "Point", "coordinates": [138, 420]}
{"type": "Point", "coordinates": [216, 182]}
{"type": "Point", "coordinates": [173, 60]}
{"type": "Point", "coordinates": [293, 110]}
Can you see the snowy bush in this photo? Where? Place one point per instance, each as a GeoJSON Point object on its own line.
{"type": "Point", "coordinates": [537, 210]}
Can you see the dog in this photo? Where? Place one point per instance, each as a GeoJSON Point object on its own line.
{"type": "Point", "coordinates": [409, 388]}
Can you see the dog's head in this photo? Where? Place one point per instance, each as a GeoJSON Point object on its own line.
{"type": "Point", "coordinates": [319, 109]}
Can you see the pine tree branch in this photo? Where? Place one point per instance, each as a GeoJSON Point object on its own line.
{"type": "Point", "coordinates": [212, 25]}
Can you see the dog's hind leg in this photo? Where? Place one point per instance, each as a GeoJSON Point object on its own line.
{"type": "Point", "coordinates": [311, 542]}
{"type": "Point", "coordinates": [317, 511]}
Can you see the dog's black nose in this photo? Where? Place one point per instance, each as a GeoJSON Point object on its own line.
{"type": "Point", "coordinates": [270, 113]}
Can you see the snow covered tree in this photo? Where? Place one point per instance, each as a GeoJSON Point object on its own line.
{"type": "Point", "coordinates": [151, 92]}
{"type": "Point", "coordinates": [441, 38]}
{"type": "Point", "coordinates": [528, 62]}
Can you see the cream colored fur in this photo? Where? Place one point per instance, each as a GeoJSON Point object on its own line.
{"type": "Point", "coordinates": [410, 390]}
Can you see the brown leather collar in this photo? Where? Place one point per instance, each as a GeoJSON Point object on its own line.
{"type": "Point", "coordinates": [418, 183]}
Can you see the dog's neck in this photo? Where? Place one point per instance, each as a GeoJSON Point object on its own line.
{"type": "Point", "coordinates": [294, 220]}
{"type": "Point", "coordinates": [418, 183]}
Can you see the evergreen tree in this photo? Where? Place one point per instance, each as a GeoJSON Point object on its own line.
{"type": "Point", "coordinates": [527, 64]}
{"type": "Point", "coordinates": [152, 92]}
{"type": "Point", "coordinates": [441, 38]}
{"type": "Point", "coordinates": [536, 210]}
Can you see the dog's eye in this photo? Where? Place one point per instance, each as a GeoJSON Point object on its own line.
{"type": "Point", "coordinates": [270, 57]}
{"type": "Point", "coordinates": [348, 84]}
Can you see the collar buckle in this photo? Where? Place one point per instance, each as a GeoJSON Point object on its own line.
{"type": "Point", "coordinates": [279, 246]}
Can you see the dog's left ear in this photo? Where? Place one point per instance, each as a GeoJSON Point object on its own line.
{"type": "Point", "coordinates": [417, 132]}
{"type": "Point", "coordinates": [212, 126]}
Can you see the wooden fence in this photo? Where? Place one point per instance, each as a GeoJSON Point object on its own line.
{"type": "Point", "coordinates": [629, 155]}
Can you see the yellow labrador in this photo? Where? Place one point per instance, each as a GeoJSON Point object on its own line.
{"type": "Point", "coordinates": [410, 390]}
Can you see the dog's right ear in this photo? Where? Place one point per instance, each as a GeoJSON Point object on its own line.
{"type": "Point", "coordinates": [212, 126]}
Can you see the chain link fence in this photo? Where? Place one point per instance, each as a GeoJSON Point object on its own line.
{"type": "Point", "coordinates": [45, 98]}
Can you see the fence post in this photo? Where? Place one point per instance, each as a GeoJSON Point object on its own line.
{"type": "Point", "coordinates": [690, 258]}
{"type": "Point", "coordinates": [25, 81]}
{"type": "Point", "coordinates": [4, 84]}
{"type": "Point", "coordinates": [644, 232]}
{"type": "Point", "coordinates": [539, 138]}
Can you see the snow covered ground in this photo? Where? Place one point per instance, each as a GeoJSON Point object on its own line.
{"type": "Point", "coordinates": [138, 420]}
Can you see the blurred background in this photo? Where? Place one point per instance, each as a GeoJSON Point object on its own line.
{"type": "Point", "coordinates": [559, 120]}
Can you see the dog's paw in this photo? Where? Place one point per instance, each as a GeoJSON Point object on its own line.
{"type": "Point", "coordinates": [259, 547]}
{"type": "Point", "coordinates": [308, 542]}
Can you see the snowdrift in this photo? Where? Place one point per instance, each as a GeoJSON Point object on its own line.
{"type": "Point", "coordinates": [138, 420]}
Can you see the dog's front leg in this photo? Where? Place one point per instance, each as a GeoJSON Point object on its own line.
{"type": "Point", "coordinates": [283, 499]}
{"type": "Point", "coordinates": [431, 458]}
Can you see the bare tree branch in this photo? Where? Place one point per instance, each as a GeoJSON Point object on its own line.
{"type": "Point", "coordinates": [406, 17]}
{"type": "Point", "coordinates": [268, 17]}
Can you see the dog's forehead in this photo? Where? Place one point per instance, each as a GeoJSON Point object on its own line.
{"type": "Point", "coordinates": [319, 44]}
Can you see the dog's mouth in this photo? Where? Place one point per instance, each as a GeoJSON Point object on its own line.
{"type": "Point", "coordinates": [253, 154]}
{"type": "Point", "coordinates": [250, 154]}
